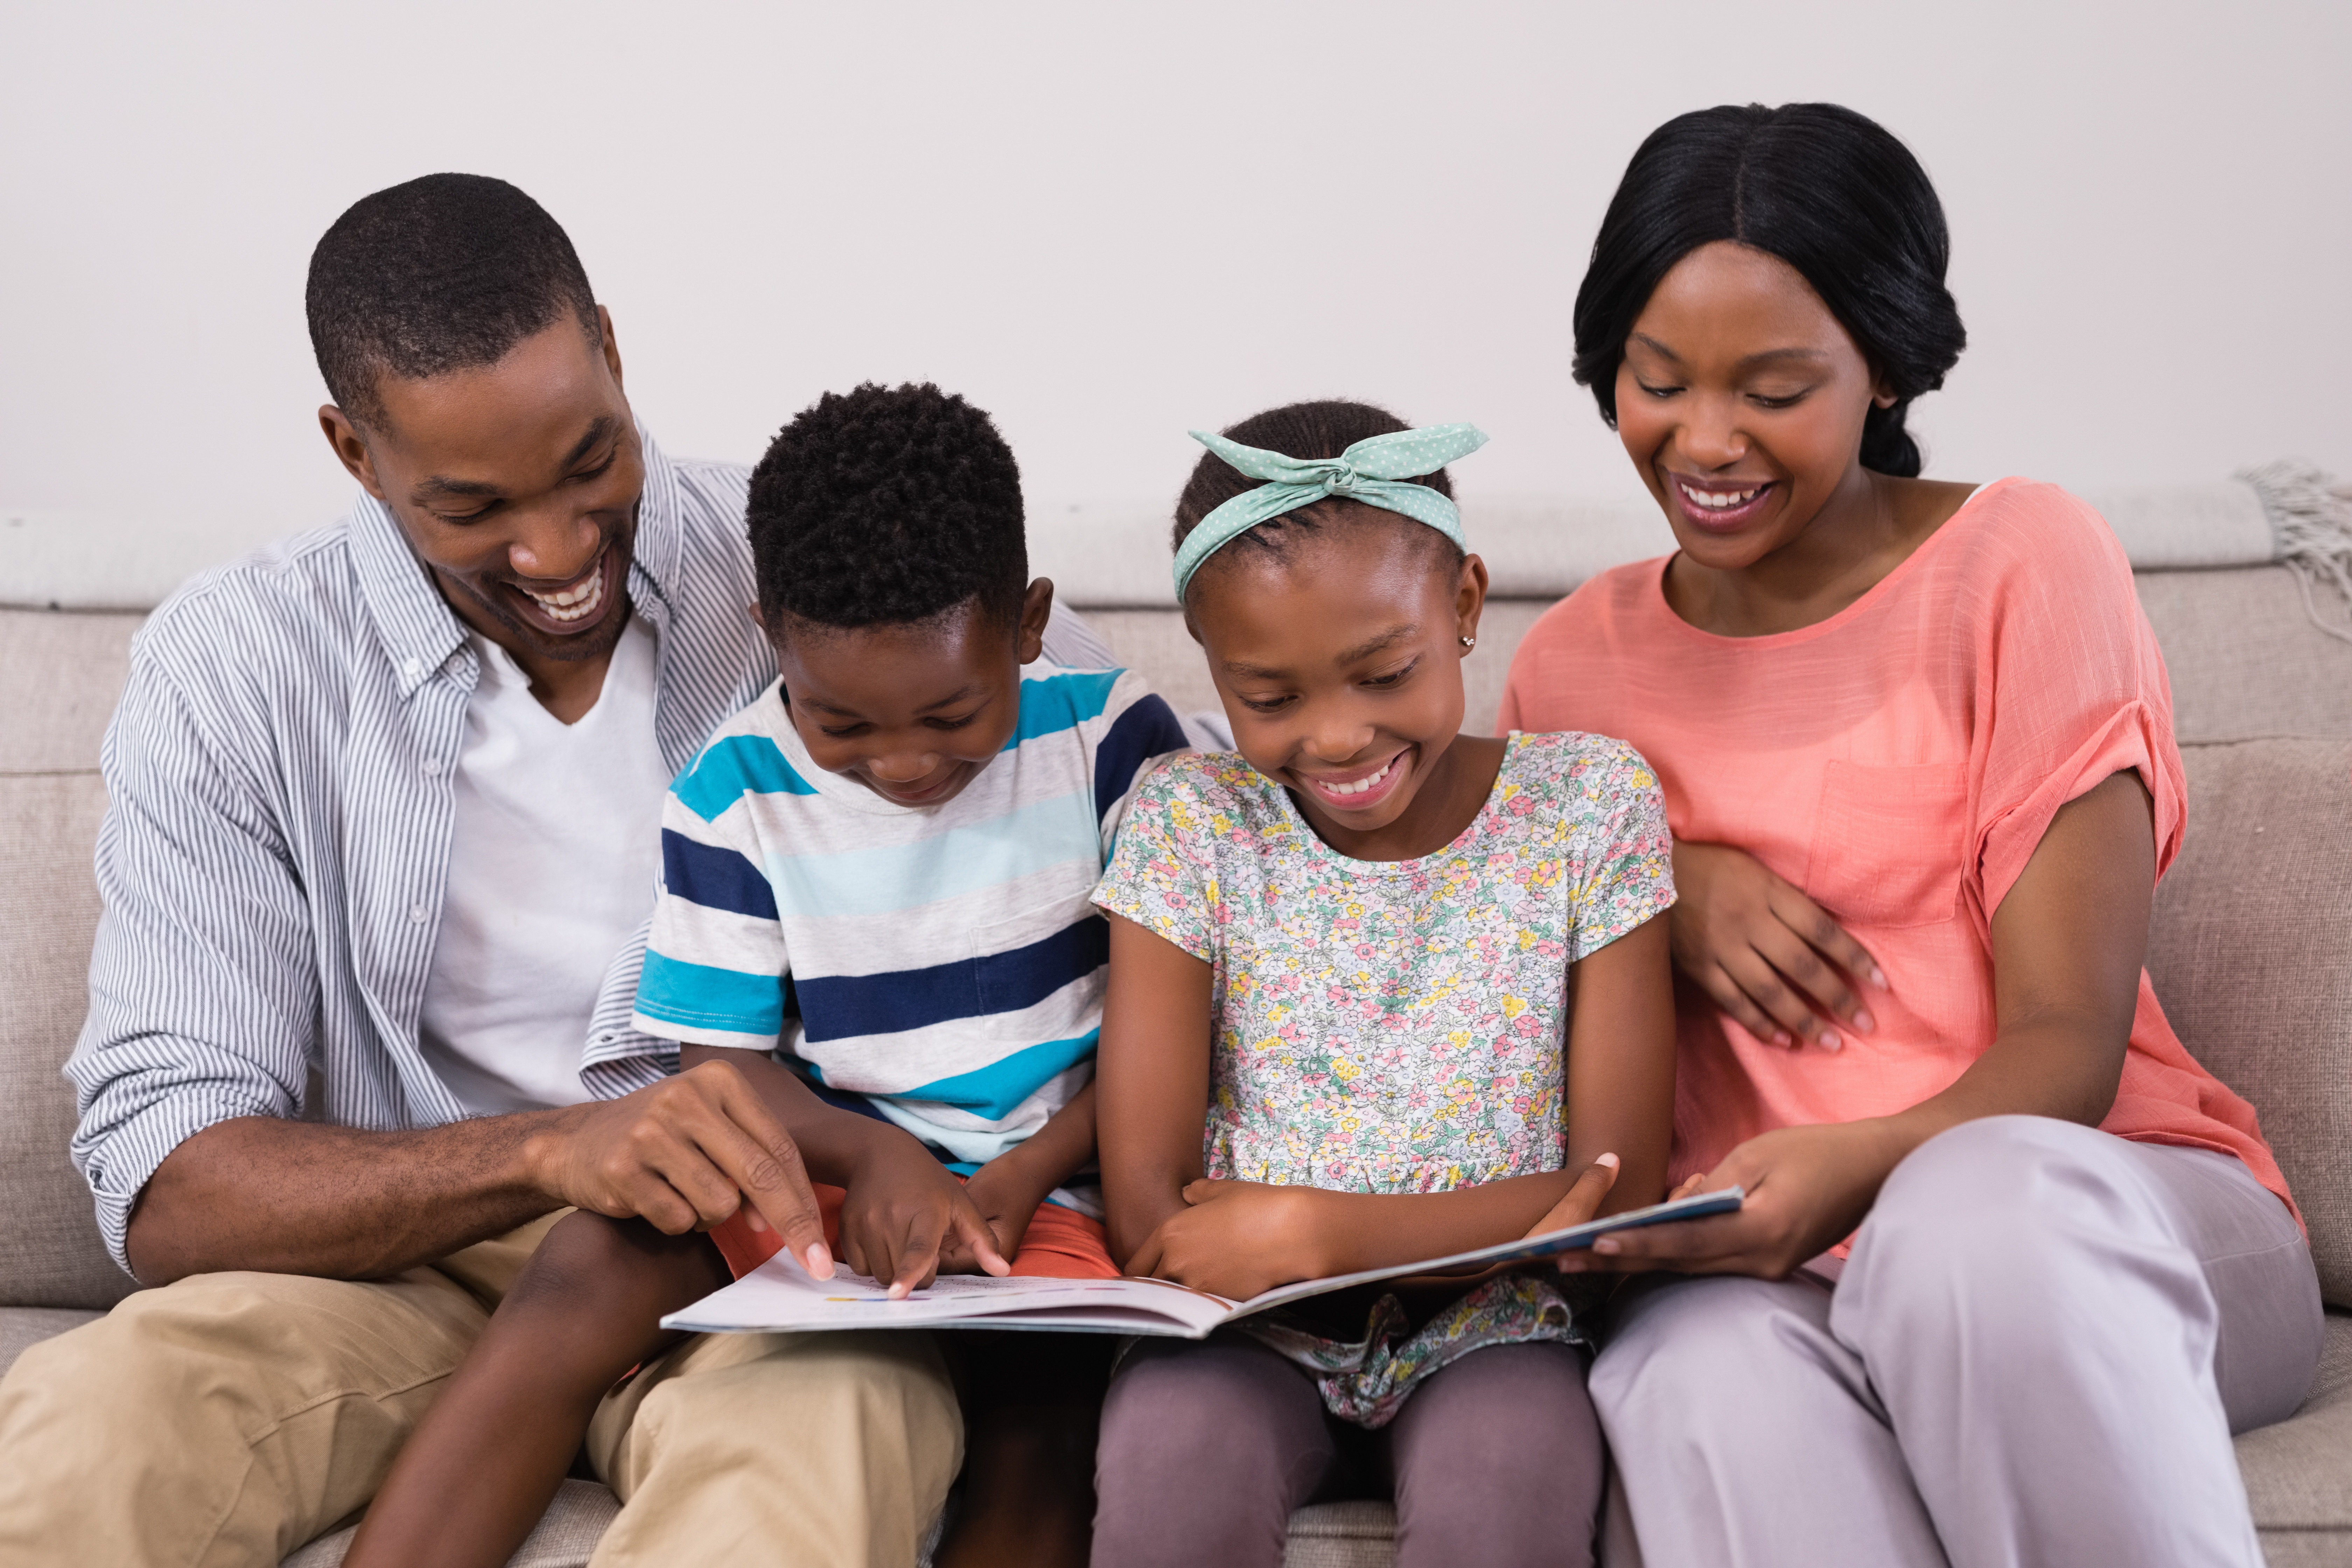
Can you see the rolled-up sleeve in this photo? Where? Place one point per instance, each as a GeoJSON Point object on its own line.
{"type": "Point", "coordinates": [204, 991]}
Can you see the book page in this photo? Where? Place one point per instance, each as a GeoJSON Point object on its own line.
{"type": "Point", "coordinates": [782, 1295]}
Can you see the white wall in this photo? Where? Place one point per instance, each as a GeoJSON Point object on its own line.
{"type": "Point", "coordinates": [1107, 223]}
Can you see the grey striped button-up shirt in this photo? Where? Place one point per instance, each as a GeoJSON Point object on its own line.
{"type": "Point", "coordinates": [277, 841]}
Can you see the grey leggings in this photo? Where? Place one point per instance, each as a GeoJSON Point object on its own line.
{"type": "Point", "coordinates": [1205, 1450]}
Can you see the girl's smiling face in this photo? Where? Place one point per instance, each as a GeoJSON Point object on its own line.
{"type": "Point", "coordinates": [1340, 664]}
{"type": "Point", "coordinates": [1741, 400]}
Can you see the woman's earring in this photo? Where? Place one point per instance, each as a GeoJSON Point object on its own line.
{"type": "Point", "coordinates": [1468, 643]}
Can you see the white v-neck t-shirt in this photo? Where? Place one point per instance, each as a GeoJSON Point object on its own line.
{"type": "Point", "coordinates": [552, 863]}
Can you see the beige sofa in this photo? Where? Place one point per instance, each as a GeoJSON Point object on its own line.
{"type": "Point", "coordinates": [2251, 951]}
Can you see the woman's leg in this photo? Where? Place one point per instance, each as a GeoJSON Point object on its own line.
{"type": "Point", "coordinates": [488, 1456]}
{"type": "Point", "coordinates": [1496, 1462]}
{"type": "Point", "coordinates": [1745, 1435]}
{"type": "Point", "coordinates": [2065, 1328]}
{"type": "Point", "coordinates": [1206, 1448]}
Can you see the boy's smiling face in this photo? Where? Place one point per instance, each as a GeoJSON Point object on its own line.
{"type": "Point", "coordinates": [913, 711]}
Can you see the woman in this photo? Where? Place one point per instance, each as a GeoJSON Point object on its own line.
{"type": "Point", "coordinates": [1917, 746]}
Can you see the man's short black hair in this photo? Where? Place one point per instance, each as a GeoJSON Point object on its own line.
{"type": "Point", "coordinates": [887, 505]}
{"type": "Point", "coordinates": [446, 272]}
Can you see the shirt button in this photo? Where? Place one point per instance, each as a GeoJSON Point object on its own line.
{"type": "Point", "coordinates": [432, 766]}
{"type": "Point", "coordinates": [417, 914]}
{"type": "Point", "coordinates": [413, 668]}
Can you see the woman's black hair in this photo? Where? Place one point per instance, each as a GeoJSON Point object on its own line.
{"type": "Point", "coordinates": [1310, 430]}
{"type": "Point", "coordinates": [1826, 190]}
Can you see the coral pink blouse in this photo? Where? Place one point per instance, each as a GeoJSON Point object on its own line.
{"type": "Point", "coordinates": [1899, 761]}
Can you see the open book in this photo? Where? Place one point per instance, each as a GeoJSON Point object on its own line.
{"type": "Point", "coordinates": [782, 1296]}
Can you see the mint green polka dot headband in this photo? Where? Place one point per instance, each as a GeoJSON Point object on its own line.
{"type": "Point", "coordinates": [1370, 471]}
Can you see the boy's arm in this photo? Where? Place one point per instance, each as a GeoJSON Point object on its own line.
{"type": "Point", "coordinates": [901, 1206]}
{"type": "Point", "coordinates": [1008, 1189]}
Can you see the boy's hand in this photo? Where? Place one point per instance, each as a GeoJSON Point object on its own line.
{"type": "Point", "coordinates": [901, 1206]}
{"type": "Point", "coordinates": [1239, 1239]}
{"type": "Point", "coordinates": [1006, 1193]}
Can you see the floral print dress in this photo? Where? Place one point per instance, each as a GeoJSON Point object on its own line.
{"type": "Point", "coordinates": [1395, 1026]}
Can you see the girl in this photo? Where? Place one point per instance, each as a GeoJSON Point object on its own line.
{"type": "Point", "coordinates": [1916, 744]}
{"type": "Point", "coordinates": [1340, 1030]}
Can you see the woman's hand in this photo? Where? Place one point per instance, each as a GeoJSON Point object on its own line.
{"type": "Point", "coordinates": [1768, 955]}
{"type": "Point", "coordinates": [903, 1209]}
{"type": "Point", "coordinates": [1808, 1188]}
{"type": "Point", "coordinates": [1239, 1239]}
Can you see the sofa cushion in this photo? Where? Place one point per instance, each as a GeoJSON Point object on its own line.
{"type": "Point", "coordinates": [2299, 1473]}
{"type": "Point", "coordinates": [2245, 657]}
{"type": "Point", "coordinates": [22, 1328]}
{"type": "Point", "coordinates": [2251, 952]}
{"type": "Point", "coordinates": [49, 1252]}
{"type": "Point", "coordinates": [64, 674]}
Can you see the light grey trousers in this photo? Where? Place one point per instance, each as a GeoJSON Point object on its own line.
{"type": "Point", "coordinates": [2036, 1354]}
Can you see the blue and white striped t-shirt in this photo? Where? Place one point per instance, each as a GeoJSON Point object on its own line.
{"type": "Point", "coordinates": [943, 962]}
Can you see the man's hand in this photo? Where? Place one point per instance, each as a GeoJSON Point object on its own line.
{"type": "Point", "coordinates": [1808, 1188]}
{"type": "Point", "coordinates": [683, 1155]}
{"type": "Point", "coordinates": [1768, 955]}
{"type": "Point", "coordinates": [1239, 1239]}
{"type": "Point", "coordinates": [905, 1211]}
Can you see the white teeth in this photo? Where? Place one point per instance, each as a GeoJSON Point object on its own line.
{"type": "Point", "coordinates": [575, 602]}
{"type": "Point", "coordinates": [1361, 785]}
{"type": "Point", "coordinates": [1716, 501]}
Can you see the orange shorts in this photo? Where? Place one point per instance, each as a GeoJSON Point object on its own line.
{"type": "Point", "coordinates": [1060, 1244]}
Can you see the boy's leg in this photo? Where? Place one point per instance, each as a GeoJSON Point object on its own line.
{"type": "Point", "coordinates": [230, 1418]}
{"type": "Point", "coordinates": [833, 1449]}
{"type": "Point", "coordinates": [487, 1459]}
{"type": "Point", "coordinates": [1497, 1460]}
{"type": "Point", "coordinates": [1206, 1449]}
{"type": "Point", "coordinates": [1032, 1404]}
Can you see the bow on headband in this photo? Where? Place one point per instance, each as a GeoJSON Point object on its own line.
{"type": "Point", "coordinates": [1372, 471]}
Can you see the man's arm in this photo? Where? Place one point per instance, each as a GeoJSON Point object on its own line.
{"type": "Point", "coordinates": [203, 1000]}
{"type": "Point", "coordinates": [291, 1197]}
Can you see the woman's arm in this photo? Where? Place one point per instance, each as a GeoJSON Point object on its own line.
{"type": "Point", "coordinates": [2068, 944]}
{"type": "Point", "coordinates": [1151, 1081]}
{"type": "Point", "coordinates": [1238, 1238]}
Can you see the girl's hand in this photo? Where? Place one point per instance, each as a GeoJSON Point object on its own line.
{"type": "Point", "coordinates": [901, 1205]}
{"type": "Point", "coordinates": [1768, 955]}
{"type": "Point", "coordinates": [1808, 1188]}
{"type": "Point", "coordinates": [1238, 1239]}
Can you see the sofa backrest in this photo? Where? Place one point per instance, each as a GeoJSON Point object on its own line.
{"type": "Point", "coordinates": [2255, 991]}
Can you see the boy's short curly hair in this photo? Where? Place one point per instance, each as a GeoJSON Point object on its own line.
{"type": "Point", "coordinates": [887, 505]}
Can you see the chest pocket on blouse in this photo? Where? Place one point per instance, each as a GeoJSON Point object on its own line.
{"type": "Point", "coordinates": [1891, 844]}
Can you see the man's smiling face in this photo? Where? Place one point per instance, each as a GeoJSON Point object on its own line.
{"type": "Point", "coordinates": [517, 485]}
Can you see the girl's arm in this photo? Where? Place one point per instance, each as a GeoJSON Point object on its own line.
{"type": "Point", "coordinates": [1239, 1238]}
{"type": "Point", "coordinates": [2068, 944]}
{"type": "Point", "coordinates": [1151, 1082]}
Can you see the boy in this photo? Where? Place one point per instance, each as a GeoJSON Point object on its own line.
{"type": "Point", "coordinates": [878, 872]}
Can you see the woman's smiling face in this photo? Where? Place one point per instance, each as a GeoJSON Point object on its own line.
{"type": "Point", "coordinates": [1340, 664]}
{"type": "Point", "coordinates": [1741, 400]}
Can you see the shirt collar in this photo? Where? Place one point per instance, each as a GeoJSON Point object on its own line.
{"type": "Point", "coordinates": [419, 630]}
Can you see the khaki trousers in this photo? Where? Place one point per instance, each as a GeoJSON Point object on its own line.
{"type": "Point", "coordinates": [230, 1418]}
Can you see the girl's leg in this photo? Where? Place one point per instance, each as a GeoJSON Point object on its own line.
{"type": "Point", "coordinates": [1206, 1448]}
{"type": "Point", "coordinates": [1496, 1462]}
{"type": "Point", "coordinates": [487, 1457]}
{"type": "Point", "coordinates": [2065, 1328]}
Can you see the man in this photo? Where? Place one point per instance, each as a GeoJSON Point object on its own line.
{"type": "Point", "coordinates": [385, 806]}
